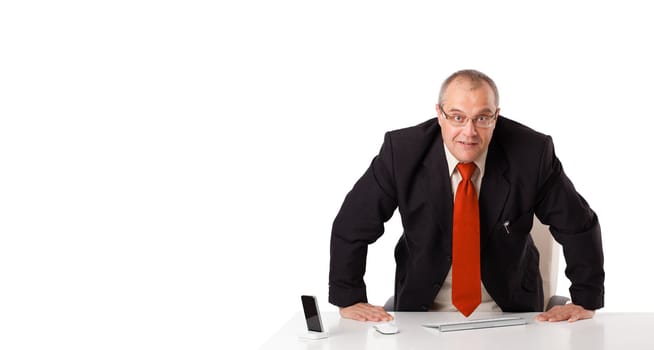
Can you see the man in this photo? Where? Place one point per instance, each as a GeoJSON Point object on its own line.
{"type": "Point", "coordinates": [460, 251]}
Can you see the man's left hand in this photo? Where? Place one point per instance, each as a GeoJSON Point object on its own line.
{"type": "Point", "coordinates": [567, 312]}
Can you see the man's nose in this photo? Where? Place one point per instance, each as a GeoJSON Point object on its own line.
{"type": "Point", "coordinates": [469, 128]}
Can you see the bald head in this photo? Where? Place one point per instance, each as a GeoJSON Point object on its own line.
{"type": "Point", "coordinates": [475, 80]}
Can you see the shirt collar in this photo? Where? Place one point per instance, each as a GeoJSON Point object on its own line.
{"type": "Point", "coordinates": [452, 162]}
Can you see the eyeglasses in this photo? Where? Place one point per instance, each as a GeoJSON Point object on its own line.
{"type": "Point", "coordinates": [480, 121]}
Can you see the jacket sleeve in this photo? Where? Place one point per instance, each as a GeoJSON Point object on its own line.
{"type": "Point", "coordinates": [360, 222]}
{"type": "Point", "coordinates": [576, 227]}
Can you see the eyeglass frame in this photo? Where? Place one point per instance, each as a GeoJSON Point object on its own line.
{"type": "Point", "coordinates": [474, 120]}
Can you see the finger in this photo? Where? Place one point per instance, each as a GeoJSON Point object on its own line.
{"type": "Point", "coordinates": [557, 318]}
{"type": "Point", "coordinates": [365, 312]}
{"type": "Point", "coordinates": [360, 316]}
{"type": "Point", "coordinates": [381, 312]}
{"type": "Point", "coordinates": [383, 316]}
{"type": "Point", "coordinates": [352, 312]}
{"type": "Point", "coordinates": [368, 313]}
{"type": "Point", "coordinates": [348, 313]}
{"type": "Point", "coordinates": [557, 315]}
{"type": "Point", "coordinates": [584, 315]}
{"type": "Point", "coordinates": [547, 316]}
{"type": "Point", "coordinates": [375, 313]}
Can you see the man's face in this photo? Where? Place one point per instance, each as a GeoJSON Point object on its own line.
{"type": "Point", "coordinates": [464, 98]}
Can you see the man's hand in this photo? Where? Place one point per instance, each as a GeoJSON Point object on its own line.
{"type": "Point", "coordinates": [365, 312]}
{"type": "Point", "coordinates": [569, 312]}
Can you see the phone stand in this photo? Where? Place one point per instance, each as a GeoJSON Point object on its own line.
{"type": "Point", "coordinates": [314, 335]}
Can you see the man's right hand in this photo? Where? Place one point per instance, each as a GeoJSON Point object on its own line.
{"type": "Point", "coordinates": [366, 312]}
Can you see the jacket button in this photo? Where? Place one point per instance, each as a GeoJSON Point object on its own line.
{"type": "Point", "coordinates": [424, 307]}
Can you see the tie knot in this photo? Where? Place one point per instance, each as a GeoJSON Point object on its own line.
{"type": "Point", "coordinates": [466, 170]}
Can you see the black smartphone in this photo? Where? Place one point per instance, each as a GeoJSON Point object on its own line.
{"type": "Point", "coordinates": [311, 313]}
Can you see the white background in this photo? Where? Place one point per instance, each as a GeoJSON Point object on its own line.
{"type": "Point", "coordinates": [169, 170]}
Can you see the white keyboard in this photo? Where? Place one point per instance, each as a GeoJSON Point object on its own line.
{"type": "Point", "coordinates": [477, 324]}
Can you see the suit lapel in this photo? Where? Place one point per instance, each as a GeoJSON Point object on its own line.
{"type": "Point", "coordinates": [439, 187]}
{"type": "Point", "coordinates": [494, 191]}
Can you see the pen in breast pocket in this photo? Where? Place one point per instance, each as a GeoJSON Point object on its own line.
{"type": "Point", "coordinates": [506, 226]}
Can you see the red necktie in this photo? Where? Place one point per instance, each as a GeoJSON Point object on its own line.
{"type": "Point", "coordinates": [466, 275]}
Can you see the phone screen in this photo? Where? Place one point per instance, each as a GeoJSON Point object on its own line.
{"type": "Point", "coordinates": [311, 313]}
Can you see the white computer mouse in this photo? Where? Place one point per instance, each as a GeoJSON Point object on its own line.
{"type": "Point", "coordinates": [386, 328]}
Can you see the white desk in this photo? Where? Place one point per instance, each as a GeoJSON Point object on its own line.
{"type": "Point", "coordinates": [620, 331]}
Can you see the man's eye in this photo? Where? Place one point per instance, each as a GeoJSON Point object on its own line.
{"type": "Point", "coordinates": [483, 118]}
{"type": "Point", "coordinates": [458, 118]}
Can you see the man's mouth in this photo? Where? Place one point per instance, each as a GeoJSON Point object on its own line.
{"type": "Point", "coordinates": [467, 143]}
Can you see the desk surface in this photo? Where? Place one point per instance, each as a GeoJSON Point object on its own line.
{"type": "Point", "coordinates": [604, 331]}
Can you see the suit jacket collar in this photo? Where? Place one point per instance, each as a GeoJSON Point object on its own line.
{"type": "Point", "coordinates": [494, 190]}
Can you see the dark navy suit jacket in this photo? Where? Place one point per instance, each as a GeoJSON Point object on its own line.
{"type": "Point", "coordinates": [522, 177]}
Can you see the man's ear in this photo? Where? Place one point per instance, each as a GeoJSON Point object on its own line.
{"type": "Point", "coordinates": [438, 114]}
